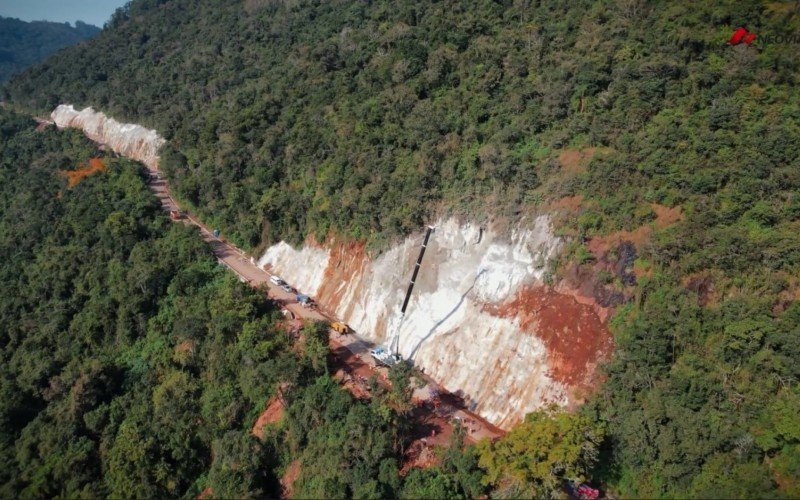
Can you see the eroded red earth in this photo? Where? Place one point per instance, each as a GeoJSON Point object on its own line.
{"type": "Point", "coordinates": [576, 337]}
{"type": "Point", "coordinates": [272, 414]}
{"type": "Point", "coordinates": [347, 260]}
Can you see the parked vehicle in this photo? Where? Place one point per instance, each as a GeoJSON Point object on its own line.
{"type": "Point", "coordinates": [276, 280]}
{"type": "Point", "coordinates": [340, 327]}
{"type": "Point", "coordinates": [286, 287]}
{"type": "Point", "coordinates": [384, 357]}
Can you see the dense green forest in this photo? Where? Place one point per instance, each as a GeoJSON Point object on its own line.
{"type": "Point", "coordinates": [133, 365]}
{"type": "Point", "coordinates": [367, 118]}
{"type": "Point", "coordinates": [23, 44]}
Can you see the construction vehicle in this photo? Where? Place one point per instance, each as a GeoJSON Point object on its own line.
{"type": "Point", "coordinates": [305, 300]}
{"type": "Point", "coordinates": [340, 328]}
{"type": "Point", "coordinates": [391, 355]}
{"type": "Point", "coordinates": [383, 357]}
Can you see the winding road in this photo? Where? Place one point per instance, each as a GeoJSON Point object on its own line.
{"type": "Point", "coordinates": [351, 350]}
{"type": "Point", "coordinates": [433, 423]}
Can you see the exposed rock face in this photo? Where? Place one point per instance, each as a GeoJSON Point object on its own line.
{"type": "Point", "coordinates": [480, 320]}
{"type": "Point", "coordinates": [132, 141]}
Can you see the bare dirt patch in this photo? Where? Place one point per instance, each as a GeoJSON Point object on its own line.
{"type": "Point", "coordinates": [600, 245]}
{"type": "Point", "coordinates": [272, 414]}
{"type": "Point", "coordinates": [568, 203]}
{"type": "Point", "coordinates": [74, 177]}
{"type": "Point", "coordinates": [575, 161]}
{"type": "Point", "coordinates": [666, 216]}
{"type": "Point", "coordinates": [702, 284]}
{"type": "Point", "coordinates": [577, 339]}
{"type": "Point", "coordinates": [419, 455]}
{"type": "Point", "coordinates": [289, 477]}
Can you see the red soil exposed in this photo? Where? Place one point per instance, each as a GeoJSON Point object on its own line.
{"type": "Point", "coordinates": [347, 260]}
{"type": "Point", "coordinates": [273, 413]}
{"type": "Point", "coordinates": [574, 160]}
{"type": "Point", "coordinates": [665, 217]}
{"type": "Point", "coordinates": [74, 177]}
{"type": "Point", "coordinates": [289, 477]}
{"type": "Point", "coordinates": [568, 203]}
{"type": "Point", "coordinates": [419, 455]}
{"type": "Point", "coordinates": [577, 339]}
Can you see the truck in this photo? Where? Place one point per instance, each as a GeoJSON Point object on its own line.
{"type": "Point", "coordinates": [383, 357]}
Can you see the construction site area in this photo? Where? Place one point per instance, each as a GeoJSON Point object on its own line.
{"type": "Point", "coordinates": [354, 361]}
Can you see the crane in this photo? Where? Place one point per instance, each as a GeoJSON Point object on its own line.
{"type": "Point", "coordinates": [392, 355]}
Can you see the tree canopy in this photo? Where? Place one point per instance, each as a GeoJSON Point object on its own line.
{"type": "Point", "coordinates": [366, 119]}
{"type": "Point", "coordinates": [23, 44]}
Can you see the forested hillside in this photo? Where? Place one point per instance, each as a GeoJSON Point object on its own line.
{"type": "Point", "coordinates": [133, 365]}
{"type": "Point", "coordinates": [23, 44]}
{"type": "Point", "coordinates": [364, 119]}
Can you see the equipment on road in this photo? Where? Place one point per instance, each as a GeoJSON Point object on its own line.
{"type": "Point", "coordinates": [384, 357]}
{"type": "Point", "coordinates": [340, 327]}
{"type": "Point", "coordinates": [276, 280]}
{"type": "Point", "coordinates": [176, 215]}
{"type": "Point", "coordinates": [304, 300]}
{"type": "Point", "coordinates": [216, 233]}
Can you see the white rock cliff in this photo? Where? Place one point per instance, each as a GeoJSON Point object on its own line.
{"type": "Point", "coordinates": [499, 367]}
{"type": "Point", "coordinates": [130, 140]}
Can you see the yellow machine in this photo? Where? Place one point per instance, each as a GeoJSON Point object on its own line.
{"type": "Point", "coordinates": [340, 327]}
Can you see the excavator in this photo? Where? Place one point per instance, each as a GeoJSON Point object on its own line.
{"type": "Point", "coordinates": [340, 328]}
{"type": "Point", "coordinates": [391, 355]}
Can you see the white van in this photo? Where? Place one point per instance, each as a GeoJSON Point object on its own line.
{"type": "Point", "coordinates": [276, 280]}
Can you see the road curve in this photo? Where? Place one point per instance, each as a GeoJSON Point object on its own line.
{"type": "Point", "coordinates": [247, 270]}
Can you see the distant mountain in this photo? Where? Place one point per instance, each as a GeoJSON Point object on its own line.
{"type": "Point", "coordinates": [23, 44]}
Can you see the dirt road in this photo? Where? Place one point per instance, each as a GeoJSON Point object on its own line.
{"type": "Point", "coordinates": [434, 421]}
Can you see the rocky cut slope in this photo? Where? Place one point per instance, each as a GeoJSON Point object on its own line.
{"type": "Point", "coordinates": [127, 139]}
{"type": "Point", "coordinates": [481, 320]}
